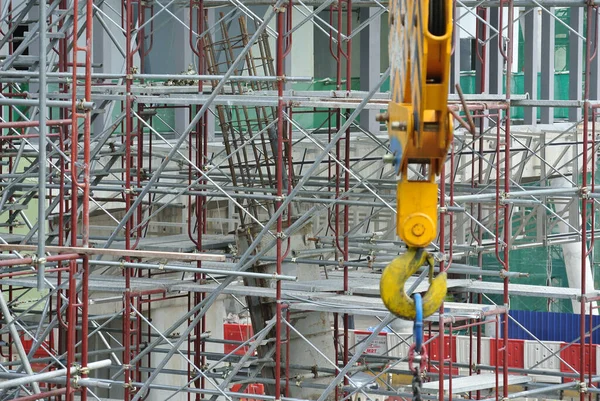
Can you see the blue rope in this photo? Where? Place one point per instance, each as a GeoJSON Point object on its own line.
{"type": "Point", "coordinates": [418, 326]}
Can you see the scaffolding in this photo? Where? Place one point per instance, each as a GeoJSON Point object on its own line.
{"type": "Point", "coordinates": [135, 203]}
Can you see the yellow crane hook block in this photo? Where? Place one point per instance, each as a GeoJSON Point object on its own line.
{"type": "Point", "coordinates": [420, 131]}
{"type": "Point", "coordinates": [418, 120]}
{"type": "Point", "coordinates": [394, 278]}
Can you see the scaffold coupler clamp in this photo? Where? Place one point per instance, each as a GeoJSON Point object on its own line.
{"type": "Point", "coordinates": [417, 348]}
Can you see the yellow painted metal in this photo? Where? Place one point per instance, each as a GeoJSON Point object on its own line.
{"type": "Point", "coordinates": [393, 279]}
{"type": "Point", "coordinates": [420, 130]}
{"type": "Point", "coordinates": [417, 204]}
{"type": "Point", "coordinates": [418, 116]}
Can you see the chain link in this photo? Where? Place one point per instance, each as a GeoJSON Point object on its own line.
{"type": "Point", "coordinates": [417, 383]}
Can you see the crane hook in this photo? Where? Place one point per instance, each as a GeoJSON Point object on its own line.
{"type": "Point", "coordinates": [393, 279]}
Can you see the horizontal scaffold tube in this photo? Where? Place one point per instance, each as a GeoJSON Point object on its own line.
{"type": "Point", "coordinates": [40, 377]}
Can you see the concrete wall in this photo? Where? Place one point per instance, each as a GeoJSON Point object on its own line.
{"type": "Point", "coordinates": [164, 314]}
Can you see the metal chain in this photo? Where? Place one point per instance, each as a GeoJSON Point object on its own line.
{"type": "Point", "coordinates": [417, 383]}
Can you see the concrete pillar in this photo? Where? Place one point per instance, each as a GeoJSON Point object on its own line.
{"type": "Point", "coordinates": [370, 64]}
{"type": "Point", "coordinates": [171, 53]}
{"type": "Point", "coordinates": [481, 70]}
{"type": "Point", "coordinates": [496, 62]}
{"type": "Point", "coordinates": [300, 61]}
{"type": "Point", "coordinates": [315, 326]}
{"type": "Point", "coordinates": [106, 53]}
{"type": "Point", "coordinates": [547, 65]}
{"type": "Point", "coordinates": [211, 119]}
{"type": "Point", "coordinates": [34, 47]}
{"type": "Point", "coordinates": [532, 48]}
{"type": "Point", "coordinates": [165, 314]}
{"type": "Point", "coordinates": [595, 68]}
{"type": "Point", "coordinates": [165, 57]}
{"type": "Point", "coordinates": [324, 64]}
{"type": "Point", "coordinates": [455, 61]}
{"type": "Point", "coordinates": [575, 61]}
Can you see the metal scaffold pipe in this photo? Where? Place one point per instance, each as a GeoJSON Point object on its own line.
{"type": "Point", "coordinates": [86, 105]}
{"type": "Point", "coordinates": [42, 128]}
{"type": "Point", "coordinates": [194, 77]}
{"type": "Point", "coordinates": [119, 252]}
{"type": "Point", "coordinates": [51, 393]}
{"type": "Point", "coordinates": [84, 382]}
{"type": "Point", "coordinates": [517, 194]}
{"type": "Point", "coordinates": [17, 340]}
{"type": "Point", "coordinates": [189, 269]}
{"type": "Point", "coordinates": [189, 187]}
{"type": "Point", "coordinates": [40, 377]}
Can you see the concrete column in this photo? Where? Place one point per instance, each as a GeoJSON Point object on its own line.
{"type": "Point", "coordinates": [171, 53]}
{"type": "Point", "coordinates": [3, 49]}
{"type": "Point", "coordinates": [4, 27]}
{"type": "Point", "coordinates": [287, 70]}
{"type": "Point", "coordinates": [496, 62]}
{"type": "Point", "coordinates": [211, 120]}
{"type": "Point", "coordinates": [300, 60]}
{"type": "Point", "coordinates": [324, 64]}
{"type": "Point", "coordinates": [370, 65]}
{"type": "Point", "coordinates": [455, 67]}
{"type": "Point", "coordinates": [106, 53]}
{"type": "Point", "coordinates": [547, 65]}
{"type": "Point", "coordinates": [34, 47]}
{"type": "Point", "coordinates": [532, 48]}
{"type": "Point", "coordinates": [165, 56]}
{"type": "Point", "coordinates": [481, 70]}
{"type": "Point", "coordinates": [314, 326]}
{"type": "Point", "coordinates": [455, 61]}
{"type": "Point", "coordinates": [595, 68]}
{"type": "Point", "coordinates": [163, 317]}
{"type": "Point", "coordinates": [575, 62]}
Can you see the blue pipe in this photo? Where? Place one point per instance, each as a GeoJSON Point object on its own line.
{"type": "Point", "coordinates": [418, 326]}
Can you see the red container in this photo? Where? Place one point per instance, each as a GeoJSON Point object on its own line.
{"type": "Point", "coordinates": [433, 351]}
{"type": "Point", "coordinates": [39, 353]}
{"type": "Point", "coordinates": [253, 388]}
{"type": "Point", "coordinates": [237, 332]}
{"type": "Point", "coordinates": [516, 353]}
{"type": "Point", "coordinates": [570, 355]}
